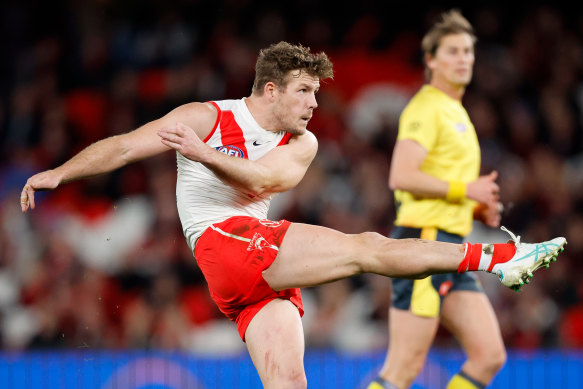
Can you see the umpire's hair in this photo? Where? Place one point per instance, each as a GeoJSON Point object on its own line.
{"type": "Point", "coordinates": [452, 22]}
{"type": "Point", "coordinates": [274, 63]}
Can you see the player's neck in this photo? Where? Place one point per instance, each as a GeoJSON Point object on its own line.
{"type": "Point", "coordinates": [455, 91]}
{"type": "Point", "coordinates": [260, 112]}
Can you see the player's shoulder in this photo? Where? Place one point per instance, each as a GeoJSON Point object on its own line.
{"type": "Point", "coordinates": [425, 97]}
{"type": "Point", "coordinates": [424, 102]}
{"type": "Point", "coordinates": [196, 109]}
{"type": "Point", "coordinates": [199, 116]}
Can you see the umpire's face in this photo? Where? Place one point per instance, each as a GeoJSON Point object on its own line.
{"type": "Point", "coordinates": [453, 61]}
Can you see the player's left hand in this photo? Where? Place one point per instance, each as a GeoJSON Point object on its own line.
{"type": "Point", "coordinates": [489, 214]}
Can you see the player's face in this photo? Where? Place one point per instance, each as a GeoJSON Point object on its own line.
{"type": "Point", "coordinates": [295, 105]}
{"type": "Point", "coordinates": [453, 61]}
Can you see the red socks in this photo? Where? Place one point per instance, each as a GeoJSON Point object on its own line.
{"type": "Point", "coordinates": [484, 256]}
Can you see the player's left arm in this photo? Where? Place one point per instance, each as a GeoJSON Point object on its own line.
{"type": "Point", "coordinates": [277, 171]}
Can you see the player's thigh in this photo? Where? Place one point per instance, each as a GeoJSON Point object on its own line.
{"type": "Point", "coordinates": [469, 316]}
{"type": "Point", "coordinates": [311, 255]}
{"type": "Point", "coordinates": [410, 336]}
{"type": "Point", "coordinates": [275, 340]}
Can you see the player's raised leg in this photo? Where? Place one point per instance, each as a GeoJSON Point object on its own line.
{"type": "Point", "coordinates": [311, 255]}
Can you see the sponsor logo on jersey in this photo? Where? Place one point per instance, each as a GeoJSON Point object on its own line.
{"type": "Point", "coordinates": [414, 126]}
{"type": "Point", "coordinates": [461, 127]}
{"type": "Point", "coordinates": [231, 150]}
{"type": "Point", "coordinates": [257, 143]}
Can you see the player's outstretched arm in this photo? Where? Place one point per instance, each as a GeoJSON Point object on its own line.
{"type": "Point", "coordinates": [277, 171]}
{"type": "Point", "coordinates": [116, 151]}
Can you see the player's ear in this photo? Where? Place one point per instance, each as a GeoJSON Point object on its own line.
{"type": "Point", "coordinates": [270, 90]}
{"type": "Point", "coordinates": [429, 60]}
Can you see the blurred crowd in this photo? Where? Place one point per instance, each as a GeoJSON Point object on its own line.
{"type": "Point", "coordinates": [102, 263]}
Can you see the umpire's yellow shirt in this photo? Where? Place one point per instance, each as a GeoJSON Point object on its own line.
{"type": "Point", "coordinates": [442, 126]}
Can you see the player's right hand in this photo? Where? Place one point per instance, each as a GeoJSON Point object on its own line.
{"type": "Point", "coordinates": [184, 139]}
{"type": "Point", "coordinates": [42, 181]}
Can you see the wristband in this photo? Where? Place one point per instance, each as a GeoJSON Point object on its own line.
{"type": "Point", "coordinates": [456, 191]}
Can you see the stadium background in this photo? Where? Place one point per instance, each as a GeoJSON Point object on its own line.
{"type": "Point", "coordinates": [97, 283]}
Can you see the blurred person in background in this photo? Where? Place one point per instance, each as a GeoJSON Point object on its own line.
{"type": "Point", "coordinates": [232, 157]}
{"type": "Point", "coordinates": [434, 173]}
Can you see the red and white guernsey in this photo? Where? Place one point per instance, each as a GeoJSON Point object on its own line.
{"type": "Point", "coordinates": [202, 198]}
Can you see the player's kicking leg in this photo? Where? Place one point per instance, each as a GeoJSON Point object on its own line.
{"type": "Point", "coordinates": [311, 255]}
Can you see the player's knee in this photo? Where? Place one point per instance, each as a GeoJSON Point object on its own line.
{"type": "Point", "coordinates": [300, 382]}
{"type": "Point", "coordinates": [490, 360]}
{"type": "Point", "coordinates": [294, 380]}
{"type": "Point", "coordinates": [367, 244]}
{"type": "Point", "coordinates": [496, 360]}
{"type": "Point", "coordinates": [410, 366]}
{"type": "Point", "coordinates": [415, 366]}
{"type": "Point", "coordinates": [408, 374]}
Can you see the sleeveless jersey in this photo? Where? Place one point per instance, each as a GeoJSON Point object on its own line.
{"type": "Point", "coordinates": [202, 198]}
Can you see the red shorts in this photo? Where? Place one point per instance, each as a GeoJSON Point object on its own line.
{"type": "Point", "coordinates": [232, 256]}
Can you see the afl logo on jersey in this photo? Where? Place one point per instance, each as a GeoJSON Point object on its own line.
{"type": "Point", "coordinates": [231, 150]}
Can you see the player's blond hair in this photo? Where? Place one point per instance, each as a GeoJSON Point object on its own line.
{"type": "Point", "coordinates": [452, 22]}
{"type": "Point", "coordinates": [275, 62]}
